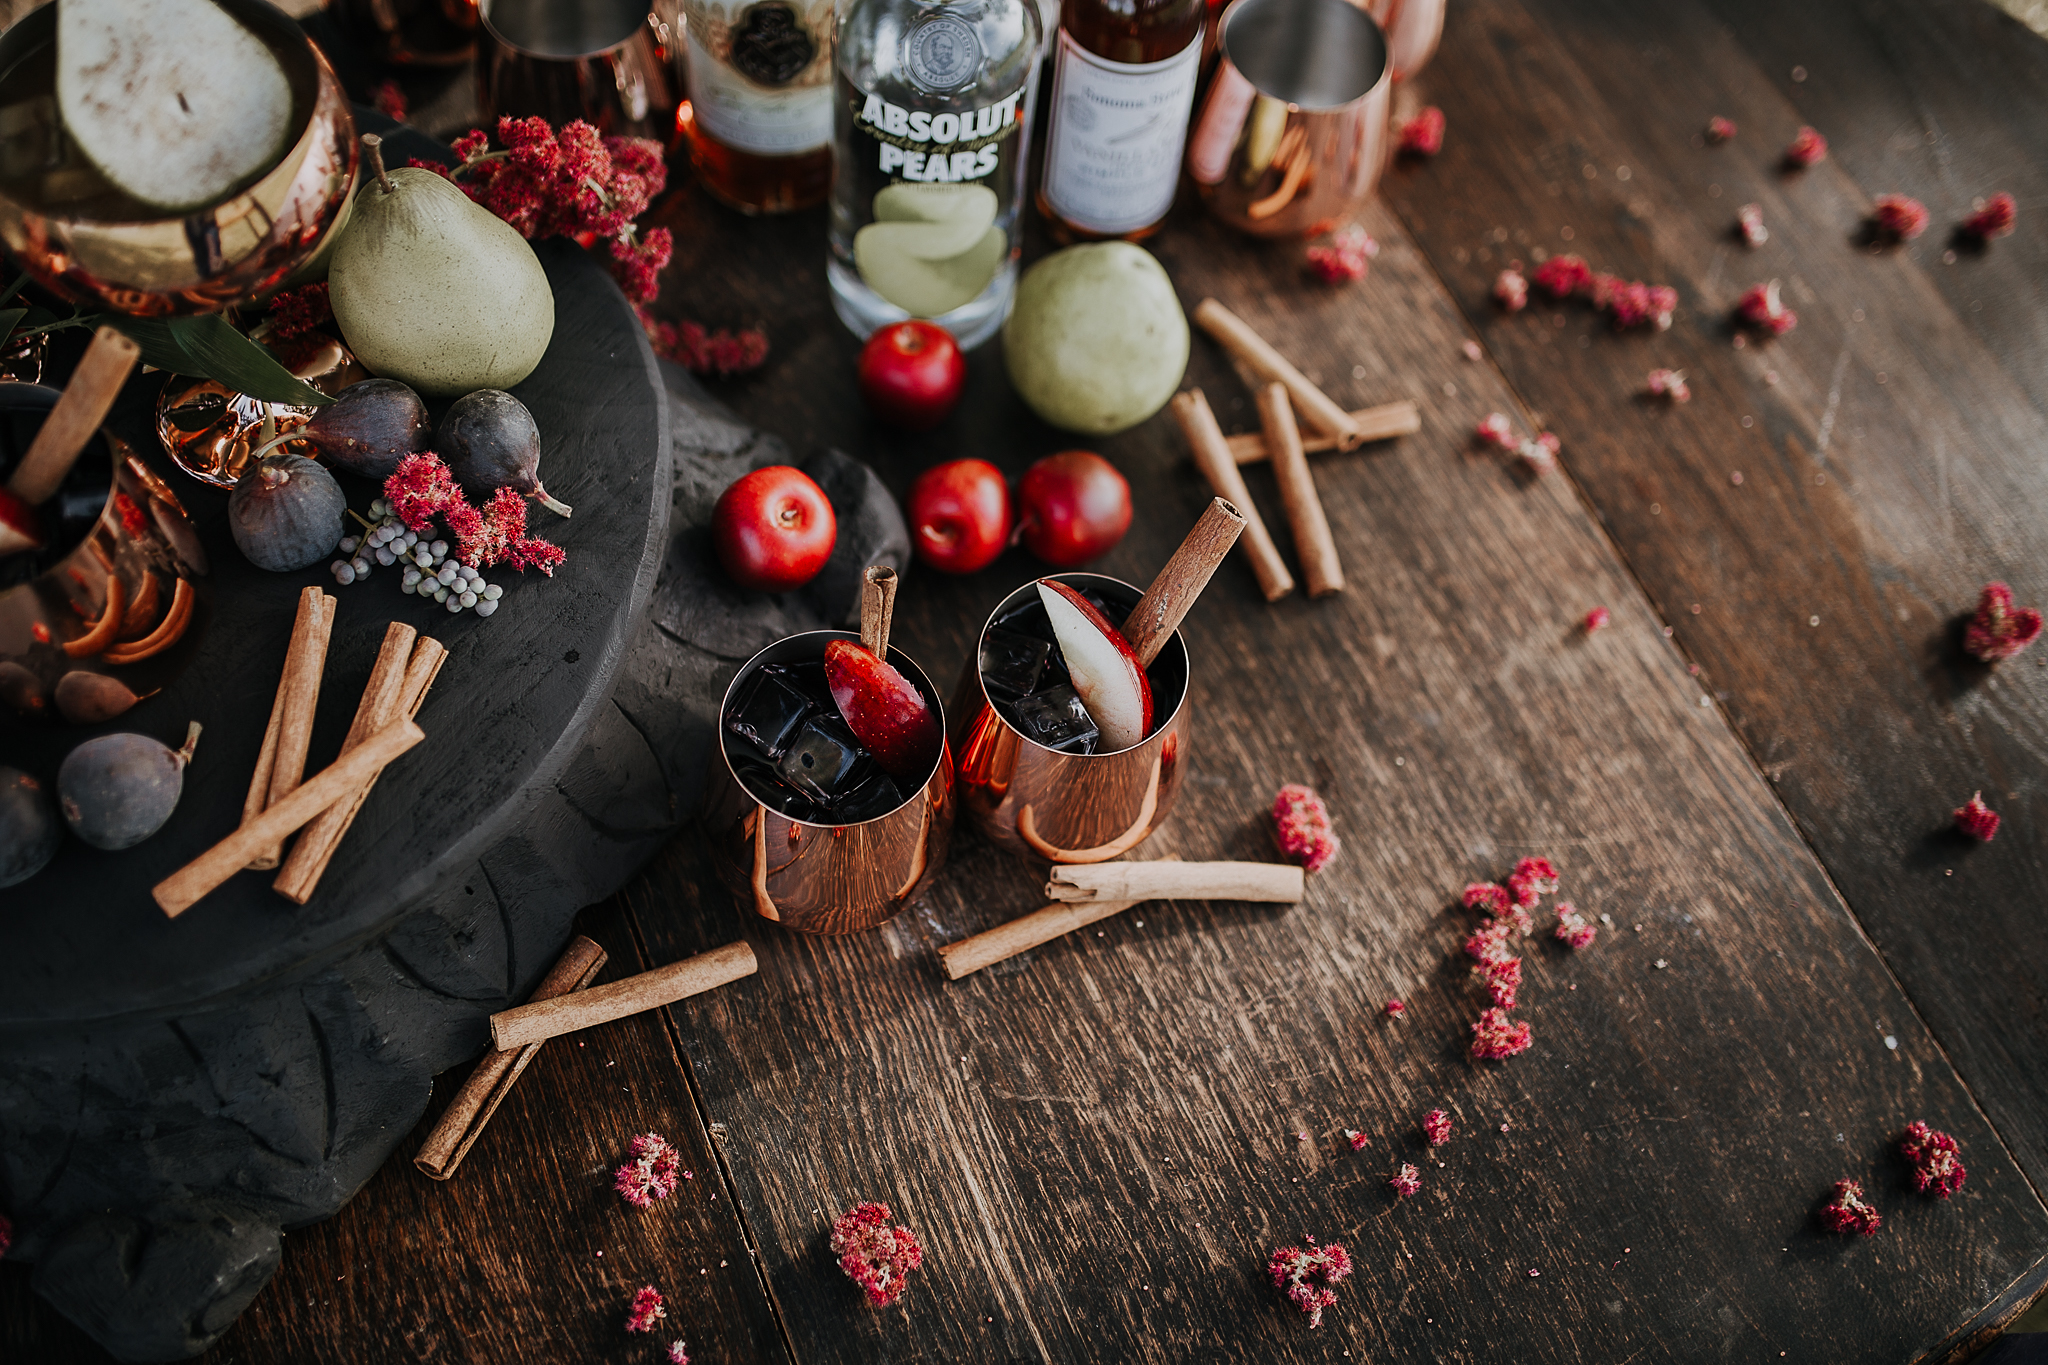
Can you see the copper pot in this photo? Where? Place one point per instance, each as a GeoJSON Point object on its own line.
{"type": "Point", "coordinates": [602, 61]}
{"type": "Point", "coordinates": [826, 879]}
{"type": "Point", "coordinates": [120, 545]}
{"type": "Point", "coordinates": [1057, 807]}
{"type": "Point", "coordinates": [82, 239]}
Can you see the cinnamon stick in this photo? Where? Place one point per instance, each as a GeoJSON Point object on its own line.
{"type": "Point", "coordinates": [1241, 341]}
{"type": "Point", "coordinates": [1380, 423]}
{"type": "Point", "coordinates": [298, 687]}
{"type": "Point", "coordinates": [77, 415]}
{"type": "Point", "coordinates": [1022, 934]}
{"type": "Point", "coordinates": [1312, 539]}
{"type": "Point", "coordinates": [545, 1019]}
{"type": "Point", "coordinates": [1175, 881]}
{"type": "Point", "coordinates": [178, 892]}
{"type": "Point", "coordinates": [877, 608]}
{"type": "Point", "coordinates": [1160, 611]}
{"type": "Point", "coordinates": [1212, 457]}
{"type": "Point", "coordinates": [462, 1123]}
{"type": "Point", "coordinates": [392, 693]}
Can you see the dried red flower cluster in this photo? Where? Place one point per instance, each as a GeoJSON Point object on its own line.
{"type": "Point", "coordinates": [652, 1174]}
{"type": "Point", "coordinates": [1359, 1141]}
{"type": "Point", "coordinates": [389, 100]}
{"type": "Point", "coordinates": [1574, 930]}
{"type": "Point", "coordinates": [721, 353]}
{"type": "Point", "coordinates": [2000, 630]}
{"type": "Point", "coordinates": [1495, 1036]}
{"type": "Point", "coordinates": [1436, 1126]}
{"type": "Point", "coordinates": [1508, 908]}
{"type": "Point", "coordinates": [1847, 1211]}
{"type": "Point", "coordinates": [1538, 454]}
{"type": "Point", "coordinates": [422, 489]}
{"type": "Point", "coordinates": [1670, 384]}
{"type": "Point", "coordinates": [1994, 218]}
{"type": "Point", "coordinates": [1395, 1009]}
{"type": "Point", "coordinates": [1763, 309]}
{"type": "Point", "coordinates": [677, 1355]}
{"type": "Point", "coordinates": [1597, 619]}
{"type": "Point", "coordinates": [874, 1255]}
{"type": "Point", "coordinates": [1306, 1276]}
{"type": "Point", "coordinates": [1405, 1182]}
{"type": "Point", "coordinates": [6, 1234]}
{"type": "Point", "coordinates": [1346, 257]}
{"type": "Point", "coordinates": [134, 520]}
{"type": "Point", "coordinates": [1936, 1170]}
{"type": "Point", "coordinates": [1977, 820]}
{"type": "Point", "coordinates": [1630, 303]}
{"type": "Point", "coordinates": [295, 312]}
{"type": "Point", "coordinates": [1720, 129]}
{"type": "Point", "coordinates": [1749, 225]}
{"type": "Point", "coordinates": [1807, 148]}
{"type": "Point", "coordinates": [1301, 825]}
{"type": "Point", "coordinates": [1423, 135]}
{"type": "Point", "coordinates": [1898, 218]}
{"type": "Point", "coordinates": [1511, 289]}
{"type": "Point", "coordinates": [647, 1310]}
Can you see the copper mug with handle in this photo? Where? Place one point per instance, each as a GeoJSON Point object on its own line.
{"type": "Point", "coordinates": [1054, 807]}
{"type": "Point", "coordinates": [1297, 124]}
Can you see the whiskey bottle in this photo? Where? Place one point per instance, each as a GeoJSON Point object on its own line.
{"type": "Point", "coordinates": [931, 124]}
{"type": "Point", "coordinates": [759, 117]}
{"type": "Point", "coordinates": [1122, 86]}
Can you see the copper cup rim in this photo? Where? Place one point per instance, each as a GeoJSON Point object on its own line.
{"type": "Point", "coordinates": [498, 36]}
{"type": "Point", "coordinates": [903, 663]}
{"type": "Point", "coordinates": [1343, 10]}
{"type": "Point", "coordinates": [1073, 578]}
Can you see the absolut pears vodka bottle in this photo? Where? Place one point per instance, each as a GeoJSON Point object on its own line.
{"type": "Point", "coordinates": [930, 129]}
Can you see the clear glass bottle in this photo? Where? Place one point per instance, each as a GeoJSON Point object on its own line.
{"type": "Point", "coordinates": [759, 117]}
{"type": "Point", "coordinates": [931, 129]}
{"type": "Point", "coordinates": [1123, 85]}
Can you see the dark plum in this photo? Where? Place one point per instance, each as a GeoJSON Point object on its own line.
{"type": "Point", "coordinates": [21, 689]}
{"type": "Point", "coordinates": [286, 513]}
{"type": "Point", "coordinates": [29, 831]}
{"type": "Point", "coordinates": [489, 441]}
{"type": "Point", "coordinates": [118, 790]}
{"type": "Point", "coordinates": [367, 429]}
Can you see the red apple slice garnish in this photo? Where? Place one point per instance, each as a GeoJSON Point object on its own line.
{"type": "Point", "coordinates": [19, 529]}
{"type": "Point", "coordinates": [884, 709]}
{"type": "Point", "coordinates": [1102, 665]}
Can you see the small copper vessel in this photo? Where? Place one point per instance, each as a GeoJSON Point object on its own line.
{"type": "Point", "coordinates": [826, 879]}
{"type": "Point", "coordinates": [209, 429]}
{"type": "Point", "coordinates": [1057, 807]}
{"type": "Point", "coordinates": [84, 240]}
{"type": "Point", "coordinates": [602, 61]}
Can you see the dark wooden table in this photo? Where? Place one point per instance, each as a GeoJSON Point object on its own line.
{"type": "Point", "coordinates": [1750, 771]}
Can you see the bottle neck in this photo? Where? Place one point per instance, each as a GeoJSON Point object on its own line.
{"type": "Point", "coordinates": [1133, 32]}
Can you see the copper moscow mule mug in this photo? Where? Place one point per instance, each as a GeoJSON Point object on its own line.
{"type": "Point", "coordinates": [1061, 807]}
{"type": "Point", "coordinates": [825, 878]}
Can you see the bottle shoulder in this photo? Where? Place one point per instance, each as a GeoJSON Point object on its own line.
{"type": "Point", "coordinates": [886, 39]}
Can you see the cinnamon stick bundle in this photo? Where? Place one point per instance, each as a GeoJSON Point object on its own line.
{"type": "Point", "coordinates": [1312, 538]}
{"type": "Point", "coordinates": [462, 1123]}
{"type": "Point", "coordinates": [1246, 345]}
{"type": "Point", "coordinates": [282, 761]}
{"type": "Point", "coordinates": [1120, 883]}
{"type": "Point", "coordinates": [1379, 423]}
{"type": "Point", "coordinates": [545, 1019]}
{"type": "Point", "coordinates": [1212, 455]}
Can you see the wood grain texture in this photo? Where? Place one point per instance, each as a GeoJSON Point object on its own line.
{"type": "Point", "coordinates": [1097, 1140]}
{"type": "Point", "coordinates": [527, 1254]}
{"type": "Point", "coordinates": [1890, 447]}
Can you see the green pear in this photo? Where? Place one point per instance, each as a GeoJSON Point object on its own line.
{"type": "Point", "coordinates": [434, 291]}
{"type": "Point", "coordinates": [1096, 341]}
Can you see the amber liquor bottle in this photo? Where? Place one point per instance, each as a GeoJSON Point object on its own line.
{"type": "Point", "coordinates": [1122, 86]}
{"type": "Point", "coordinates": [759, 117]}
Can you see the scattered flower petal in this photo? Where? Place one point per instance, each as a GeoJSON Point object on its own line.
{"type": "Point", "coordinates": [677, 1355]}
{"type": "Point", "coordinates": [1762, 308]}
{"type": "Point", "coordinates": [1301, 824]}
{"type": "Point", "coordinates": [1495, 1036]}
{"type": "Point", "coordinates": [1749, 222]}
{"type": "Point", "coordinates": [1436, 1126]}
{"type": "Point", "coordinates": [1540, 455]}
{"type": "Point", "coordinates": [1394, 1009]}
{"type": "Point", "coordinates": [1573, 929]}
{"type": "Point", "coordinates": [1720, 129]}
{"type": "Point", "coordinates": [1307, 1275]}
{"type": "Point", "coordinates": [1806, 149]}
{"type": "Point", "coordinates": [1496, 430]}
{"type": "Point", "coordinates": [1994, 219]}
{"type": "Point", "coordinates": [874, 1255]}
{"type": "Point", "coordinates": [1347, 256]}
{"type": "Point", "coordinates": [1898, 218]}
{"type": "Point", "coordinates": [1532, 879]}
{"type": "Point", "coordinates": [722, 353]}
{"type": "Point", "coordinates": [646, 1311]}
{"type": "Point", "coordinates": [1848, 1212]}
{"type": "Point", "coordinates": [2000, 630]}
{"type": "Point", "coordinates": [1597, 619]}
{"type": "Point", "coordinates": [1471, 349]}
{"type": "Point", "coordinates": [1405, 1181]}
{"type": "Point", "coordinates": [1936, 1170]}
{"type": "Point", "coordinates": [1511, 289]}
{"type": "Point", "coordinates": [1564, 276]}
{"type": "Point", "coordinates": [1670, 384]}
{"type": "Point", "coordinates": [651, 1174]}
{"type": "Point", "coordinates": [1977, 820]}
{"type": "Point", "coordinates": [1358, 1140]}
{"type": "Point", "coordinates": [1423, 135]}
{"type": "Point", "coordinates": [1504, 979]}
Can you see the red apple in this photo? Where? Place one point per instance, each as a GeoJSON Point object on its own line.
{"type": "Point", "coordinates": [774, 529]}
{"type": "Point", "coordinates": [1072, 507]}
{"type": "Point", "coordinates": [960, 515]}
{"type": "Point", "coordinates": [911, 373]}
{"type": "Point", "coordinates": [1102, 665]}
{"type": "Point", "coordinates": [884, 709]}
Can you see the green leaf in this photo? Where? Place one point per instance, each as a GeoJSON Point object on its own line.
{"type": "Point", "coordinates": [8, 320]}
{"type": "Point", "coordinates": [7, 294]}
{"type": "Point", "coordinates": [209, 347]}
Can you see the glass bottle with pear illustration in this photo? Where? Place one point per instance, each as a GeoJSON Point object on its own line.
{"type": "Point", "coordinates": [931, 127]}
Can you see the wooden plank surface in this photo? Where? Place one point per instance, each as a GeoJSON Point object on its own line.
{"type": "Point", "coordinates": [526, 1253]}
{"type": "Point", "coordinates": [1892, 447]}
{"type": "Point", "coordinates": [1098, 1141]}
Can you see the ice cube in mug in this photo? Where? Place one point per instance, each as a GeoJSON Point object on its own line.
{"type": "Point", "coordinates": [1055, 718]}
{"type": "Point", "coordinates": [769, 713]}
{"type": "Point", "coordinates": [821, 760]}
{"type": "Point", "coordinates": [876, 796]}
{"type": "Point", "coordinates": [1012, 663]}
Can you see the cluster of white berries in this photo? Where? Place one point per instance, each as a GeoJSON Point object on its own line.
{"type": "Point", "coordinates": [430, 567]}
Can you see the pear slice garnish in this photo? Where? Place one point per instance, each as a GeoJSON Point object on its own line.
{"type": "Point", "coordinates": [174, 101]}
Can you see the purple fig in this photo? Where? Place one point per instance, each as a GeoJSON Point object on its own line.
{"type": "Point", "coordinates": [489, 441]}
{"type": "Point", "coordinates": [286, 513]}
{"type": "Point", "coordinates": [366, 430]}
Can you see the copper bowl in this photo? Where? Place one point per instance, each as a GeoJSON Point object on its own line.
{"type": "Point", "coordinates": [119, 537]}
{"type": "Point", "coordinates": [84, 240]}
{"type": "Point", "coordinates": [1056, 807]}
{"type": "Point", "coordinates": [826, 879]}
